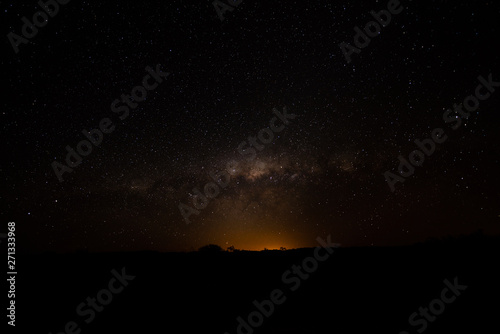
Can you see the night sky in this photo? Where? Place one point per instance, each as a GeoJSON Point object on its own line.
{"type": "Point", "coordinates": [323, 173]}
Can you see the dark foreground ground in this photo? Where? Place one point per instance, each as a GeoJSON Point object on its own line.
{"type": "Point", "coordinates": [357, 290]}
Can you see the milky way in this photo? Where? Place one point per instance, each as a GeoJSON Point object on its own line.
{"type": "Point", "coordinates": [322, 174]}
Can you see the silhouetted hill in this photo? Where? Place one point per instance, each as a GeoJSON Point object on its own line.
{"type": "Point", "coordinates": [356, 290]}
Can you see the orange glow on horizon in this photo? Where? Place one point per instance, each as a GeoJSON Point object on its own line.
{"type": "Point", "coordinates": [261, 241]}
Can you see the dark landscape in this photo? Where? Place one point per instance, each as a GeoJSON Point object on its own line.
{"type": "Point", "coordinates": [367, 289]}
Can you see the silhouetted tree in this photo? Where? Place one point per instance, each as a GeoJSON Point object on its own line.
{"type": "Point", "coordinates": [230, 249]}
{"type": "Point", "coordinates": [282, 248]}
